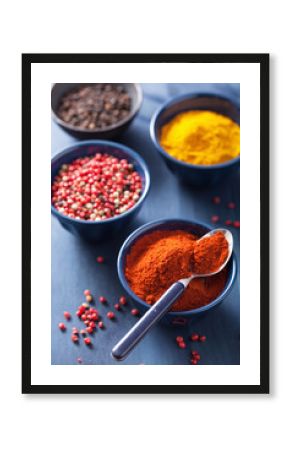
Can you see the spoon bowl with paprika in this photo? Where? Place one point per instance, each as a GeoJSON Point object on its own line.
{"type": "Point", "coordinates": [210, 255]}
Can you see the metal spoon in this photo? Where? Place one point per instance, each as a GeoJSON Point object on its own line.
{"type": "Point", "coordinates": [157, 311]}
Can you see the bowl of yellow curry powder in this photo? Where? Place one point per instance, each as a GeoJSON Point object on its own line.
{"type": "Point", "coordinates": [198, 136]}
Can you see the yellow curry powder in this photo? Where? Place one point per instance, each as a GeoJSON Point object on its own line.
{"type": "Point", "coordinates": [201, 137]}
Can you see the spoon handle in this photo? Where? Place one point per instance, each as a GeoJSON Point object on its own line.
{"type": "Point", "coordinates": [138, 331]}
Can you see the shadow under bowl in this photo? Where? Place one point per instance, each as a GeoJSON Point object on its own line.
{"type": "Point", "coordinates": [60, 89]}
{"type": "Point", "coordinates": [196, 175]}
{"type": "Point", "coordinates": [104, 229]}
{"type": "Point", "coordinates": [179, 318]}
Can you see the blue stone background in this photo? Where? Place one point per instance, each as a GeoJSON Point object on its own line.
{"type": "Point", "coordinates": [74, 266]}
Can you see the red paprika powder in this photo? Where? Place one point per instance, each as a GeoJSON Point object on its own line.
{"type": "Point", "coordinates": [160, 258]}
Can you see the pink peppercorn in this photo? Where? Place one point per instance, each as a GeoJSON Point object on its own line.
{"type": "Point", "coordinates": [236, 224]}
{"type": "Point", "coordinates": [79, 360]}
{"type": "Point", "coordinates": [228, 222]}
{"type": "Point", "coordinates": [94, 317]}
{"type": "Point", "coordinates": [123, 301]}
{"type": "Point", "coordinates": [89, 330]}
{"type": "Point", "coordinates": [74, 338]}
{"type": "Point", "coordinates": [110, 315]}
{"type": "Point", "coordinates": [67, 315]}
{"type": "Point", "coordinates": [62, 326]}
{"type": "Point", "coordinates": [101, 324]}
{"type": "Point", "coordinates": [135, 312]}
{"type": "Point", "coordinates": [179, 339]}
{"type": "Point", "coordinates": [231, 205]}
{"type": "Point", "coordinates": [216, 200]}
{"type": "Point", "coordinates": [197, 357]}
{"type": "Point", "coordinates": [89, 298]}
{"type": "Point", "coordinates": [96, 188]}
{"type": "Point", "coordinates": [202, 338]}
{"type": "Point", "coordinates": [194, 337]}
{"type": "Point", "coordinates": [193, 361]}
{"type": "Point", "coordinates": [87, 341]}
{"type": "Point", "coordinates": [182, 344]}
{"type": "Point", "coordinates": [87, 292]}
{"type": "Point", "coordinates": [75, 330]}
{"type": "Point", "coordinates": [100, 259]}
{"type": "Point", "coordinates": [102, 299]}
{"type": "Point", "coordinates": [117, 306]}
{"type": "Point", "coordinates": [215, 219]}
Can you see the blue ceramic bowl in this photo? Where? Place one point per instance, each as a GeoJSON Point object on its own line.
{"type": "Point", "coordinates": [110, 132]}
{"type": "Point", "coordinates": [199, 229]}
{"type": "Point", "coordinates": [106, 228]}
{"type": "Point", "coordinates": [196, 175]}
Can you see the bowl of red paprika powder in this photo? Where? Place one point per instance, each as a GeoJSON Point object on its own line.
{"type": "Point", "coordinates": [167, 245]}
{"type": "Point", "coordinates": [97, 188]}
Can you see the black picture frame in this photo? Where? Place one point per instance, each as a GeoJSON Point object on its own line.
{"type": "Point", "coordinates": [27, 60]}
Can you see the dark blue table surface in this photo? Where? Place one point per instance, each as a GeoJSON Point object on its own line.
{"type": "Point", "coordinates": [74, 266]}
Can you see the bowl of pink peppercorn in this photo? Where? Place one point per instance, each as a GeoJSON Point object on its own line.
{"type": "Point", "coordinates": [97, 187]}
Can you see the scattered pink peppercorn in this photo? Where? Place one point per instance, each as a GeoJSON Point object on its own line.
{"type": "Point", "coordinates": [79, 360]}
{"type": "Point", "coordinates": [87, 341]}
{"type": "Point", "coordinates": [231, 205]}
{"type": "Point", "coordinates": [110, 315]}
{"type": "Point", "coordinates": [179, 339]}
{"type": "Point", "coordinates": [75, 330]}
{"type": "Point", "coordinates": [94, 317]}
{"type": "Point", "coordinates": [74, 338]}
{"type": "Point", "coordinates": [87, 292]}
{"type": "Point", "coordinates": [100, 259]}
{"type": "Point", "coordinates": [202, 338]}
{"type": "Point", "coordinates": [89, 330]}
{"type": "Point", "coordinates": [117, 306]}
{"type": "Point", "coordinates": [89, 298]}
{"type": "Point", "coordinates": [81, 310]}
{"type": "Point", "coordinates": [103, 299]}
{"type": "Point", "coordinates": [101, 324]}
{"type": "Point", "coordinates": [216, 200]}
{"type": "Point", "coordinates": [182, 344]}
{"type": "Point", "coordinates": [215, 219]}
{"type": "Point", "coordinates": [92, 325]}
{"type": "Point", "coordinates": [193, 361]}
{"type": "Point", "coordinates": [197, 357]}
{"type": "Point", "coordinates": [236, 224]}
{"type": "Point", "coordinates": [67, 315]}
{"type": "Point", "coordinates": [123, 301]}
{"type": "Point", "coordinates": [62, 326]}
{"type": "Point", "coordinates": [83, 332]}
{"type": "Point", "coordinates": [135, 312]}
{"type": "Point", "coordinates": [194, 337]}
{"type": "Point", "coordinates": [194, 353]}
{"type": "Point", "coordinates": [228, 222]}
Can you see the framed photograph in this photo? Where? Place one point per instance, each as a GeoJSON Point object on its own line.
{"type": "Point", "coordinates": [145, 223]}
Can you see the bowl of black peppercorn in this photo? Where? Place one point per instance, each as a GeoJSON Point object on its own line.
{"type": "Point", "coordinates": [95, 110]}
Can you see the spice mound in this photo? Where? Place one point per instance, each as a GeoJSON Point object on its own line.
{"type": "Point", "coordinates": [210, 253]}
{"type": "Point", "coordinates": [201, 137]}
{"type": "Point", "coordinates": [96, 188]}
{"type": "Point", "coordinates": [95, 106]}
{"type": "Point", "coordinates": [162, 257]}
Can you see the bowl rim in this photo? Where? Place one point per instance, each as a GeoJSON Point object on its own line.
{"type": "Point", "coordinates": [139, 100]}
{"type": "Point", "coordinates": [151, 226]}
{"type": "Point", "coordinates": [161, 150]}
{"type": "Point", "coordinates": [135, 156]}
